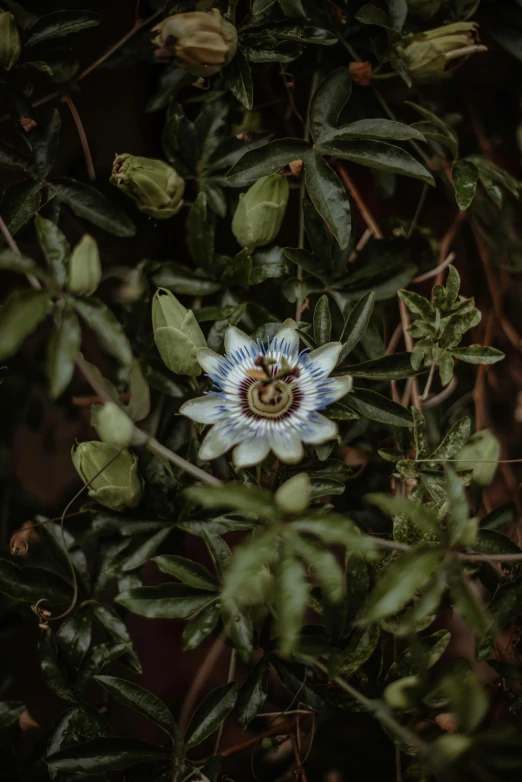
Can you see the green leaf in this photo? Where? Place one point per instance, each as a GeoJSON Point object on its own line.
{"type": "Point", "coordinates": [417, 304]}
{"type": "Point", "coordinates": [219, 551]}
{"type": "Point", "coordinates": [268, 159]}
{"type": "Point", "coordinates": [10, 712]}
{"type": "Point", "coordinates": [378, 408]}
{"type": "Point", "coordinates": [210, 713]}
{"type": "Point", "coordinates": [75, 726]}
{"type": "Point", "coordinates": [165, 601]}
{"type": "Point", "coordinates": [106, 754]}
{"type": "Point", "coordinates": [325, 568]}
{"type": "Point", "coordinates": [239, 628]}
{"type": "Point", "coordinates": [329, 197]}
{"type": "Point", "coordinates": [293, 8]}
{"type": "Point", "coordinates": [137, 551]}
{"type": "Point", "coordinates": [62, 349]}
{"type": "Point", "coordinates": [234, 496]}
{"type": "Point", "coordinates": [253, 693]}
{"type": "Point", "coordinates": [140, 700]}
{"type": "Point", "coordinates": [52, 671]}
{"type": "Point", "coordinates": [408, 508]}
{"type": "Point", "coordinates": [469, 606]}
{"type": "Point", "coordinates": [302, 683]}
{"type": "Point", "coordinates": [401, 579]}
{"type": "Point", "coordinates": [20, 314]}
{"type": "Point", "coordinates": [379, 129]}
{"type": "Point", "coordinates": [322, 321]}
{"type": "Point", "coordinates": [423, 654]}
{"type": "Point", "coordinates": [199, 234]}
{"type": "Point", "coordinates": [293, 496]}
{"type": "Point", "coordinates": [396, 366]}
{"type": "Point", "coordinates": [361, 645]}
{"type": "Point", "coordinates": [505, 606]}
{"type": "Point", "coordinates": [55, 247]}
{"type": "Point", "coordinates": [16, 262]}
{"type": "Point", "coordinates": [200, 626]}
{"type": "Point", "coordinates": [356, 324]}
{"type": "Point", "coordinates": [466, 696]}
{"type": "Point", "coordinates": [73, 639]}
{"type": "Point", "coordinates": [107, 327]}
{"type": "Point", "coordinates": [10, 158]}
{"type": "Point", "coordinates": [451, 139]}
{"type": "Point", "coordinates": [31, 584]}
{"type": "Point", "coordinates": [247, 561]}
{"type": "Point", "coordinates": [371, 14]}
{"type": "Point", "coordinates": [60, 24]}
{"type": "Point", "coordinates": [98, 657]}
{"type": "Point", "coordinates": [291, 592]}
{"type": "Point", "coordinates": [328, 101]}
{"type": "Point", "coordinates": [477, 354]}
{"type": "Point", "coordinates": [377, 154]}
{"type": "Point", "coordinates": [455, 438]}
{"type": "Point", "coordinates": [190, 573]}
{"type": "Point", "coordinates": [238, 79]}
{"type": "Point", "coordinates": [483, 447]}
{"type": "Point", "coordinates": [465, 177]}
{"type": "Point", "coordinates": [115, 631]}
{"type": "Point", "coordinates": [20, 202]}
{"type": "Point", "coordinates": [490, 541]}
{"type": "Point", "coordinates": [91, 205]}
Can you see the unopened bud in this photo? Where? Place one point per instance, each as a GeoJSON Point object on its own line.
{"type": "Point", "coordinates": [112, 424]}
{"type": "Point", "coordinates": [425, 56]}
{"type": "Point", "coordinates": [84, 267]}
{"type": "Point", "coordinates": [156, 187]}
{"type": "Point", "coordinates": [177, 334]}
{"type": "Point", "coordinates": [260, 212]}
{"type": "Point", "coordinates": [10, 41]}
{"type": "Point", "coordinates": [201, 42]}
{"type": "Point", "coordinates": [118, 485]}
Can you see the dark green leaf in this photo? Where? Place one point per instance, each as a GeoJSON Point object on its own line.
{"type": "Point", "coordinates": [379, 408]}
{"type": "Point", "coordinates": [10, 712]}
{"type": "Point", "coordinates": [31, 584]}
{"type": "Point", "coordinates": [292, 8]}
{"type": "Point", "coordinates": [253, 693]}
{"type": "Point", "coordinates": [291, 598]}
{"type": "Point", "coordinates": [73, 639]}
{"type": "Point", "coordinates": [247, 561]}
{"type": "Point", "coordinates": [210, 713]}
{"type": "Point", "coordinates": [328, 101]}
{"type": "Point", "coordinates": [238, 79]}
{"type": "Point", "coordinates": [62, 349]}
{"type": "Point", "coordinates": [16, 262]}
{"type": "Point", "coordinates": [10, 158]}
{"type": "Point", "coordinates": [361, 645]}
{"type": "Point", "coordinates": [20, 202]}
{"type": "Point", "coordinates": [140, 700]}
{"type": "Point", "coordinates": [52, 671]}
{"type": "Point", "coordinates": [166, 601]}
{"type": "Point", "coordinates": [396, 366]}
{"type": "Point", "coordinates": [60, 24]}
{"type": "Point", "coordinates": [377, 154]}
{"type": "Point", "coordinates": [190, 573]}
{"type": "Point", "coordinates": [115, 631]}
{"type": "Point", "coordinates": [106, 754]}
{"type": "Point", "coordinates": [465, 177]}
{"type": "Point", "coordinates": [219, 551]}
{"type": "Point", "coordinates": [107, 327]}
{"type": "Point", "coordinates": [379, 129]}
{"type": "Point", "coordinates": [267, 160]}
{"type": "Point", "coordinates": [200, 626]}
{"type": "Point", "coordinates": [371, 14]}
{"type": "Point", "coordinates": [199, 234]}
{"type": "Point", "coordinates": [91, 205]}
{"type": "Point", "coordinates": [234, 496]}
{"type": "Point", "coordinates": [98, 657]}
{"type": "Point", "coordinates": [329, 198]}
{"type": "Point", "coordinates": [55, 247]}
{"type": "Point", "coordinates": [322, 321]}
{"type": "Point", "coordinates": [356, 324]}
{"type": "Point", "coordinates": [302, 683]}
{"type": "Point", "coordinates": [183, 280]}
{"type": "Point", "coordinates": [20, 314]}
{"type": "Point", "coordinates": [325, 568]}
{"type": "Point", "coordinates": [477, 354]}
{"type": "Point", "coordinates": [490, 541]}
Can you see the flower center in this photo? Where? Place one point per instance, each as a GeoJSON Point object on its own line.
{"type": "Point", "coordinates": [270, 400]}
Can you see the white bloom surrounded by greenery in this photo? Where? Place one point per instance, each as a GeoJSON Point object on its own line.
{"type": "Point", "coordinates": [267, 397]}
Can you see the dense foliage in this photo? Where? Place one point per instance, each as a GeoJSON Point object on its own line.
{"type": "Point", "coordinates": [291, 451]}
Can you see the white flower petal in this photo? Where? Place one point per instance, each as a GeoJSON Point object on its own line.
{"type": "Point", "coordinates": [339, 387]}
{"type": "Point", "coordinates": [325, 358]}
{"type": "Point", "coordinates": [288, 333]}
{"type": "Point", "coordinates": [209, 361]}
{"type": "Point", "coordinates": [250, 452]}
{"type": "Point", "coordinates": [287, 447]}
{"type": "Point", "coordinates": [235, 339]}
{"type": "Point", "coordinates": [218, 440]}
{"type": "Point", "coordinates": [204, 409]}
{"type": "Point", "coordinates": [318, 429]}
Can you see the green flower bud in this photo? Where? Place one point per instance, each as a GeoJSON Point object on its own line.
{"type": "Point", "coordinates": [202, 43]}
{"type": "Point", "coordinates": [423, 9]}
{"type": "Point", "coordinates": [119, 486]}
{"type": "Point", "coordinates": [177, 334]}
{"type": "Point", "coordinates": [260, 212]}
{"type": "Point", "coordinates": [84, 267]}
{"type": "Point", "coordinates": [156, 187]}
{"type": "Point", "coordinates": [258, 590]}
{"type": "Point", "coordinates": [426, 56]}
{"type": "Point", "coordinates": [10, 41]}
{"type": "Point", "coordinates": [112, 424]}
{"type": "Point", "coordinates": [401, 693]}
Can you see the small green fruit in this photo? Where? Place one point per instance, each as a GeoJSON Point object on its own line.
{"type": "Point", "coordinates": [177, 334]}
{"type": "Point", "coordinates": [425, 56]}
{"type": "Point", "coordinates": [119, 485]}
{"type": "Point", "coordinates": [84, 267]}
{"type": "Point", "coordinates": [156, 187]}
{"type": "Point", "coordinates": [112, 424]}
{"type": "Point", "coordinates": [260, 212]}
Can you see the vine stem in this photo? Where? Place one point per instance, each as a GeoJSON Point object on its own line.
{"type": "Point", "coordinates": [198, 681]}
{"type": "Point", "coordinates": [83, 137]}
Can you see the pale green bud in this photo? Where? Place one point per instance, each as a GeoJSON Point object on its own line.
{"type": "Point", "coordinates": [119, 485]}
{"type": "Point", "coordinates": [177, 334]}
{"type": "Point", "coordinates": [260, 212]}
{"type": "Point", "coordinates": [201, 42]}
{"type": "Point", "coordinates": [400, 694]}
{"type": "Point", "coordinates": [423, 9]}
{"type": "Point", "coordinates": [84, 267]}
{"type": "Point", "coordinates": [450, 747]}
{"type": "Point", "coordinates": [112, 424]}
{"type": "Point", "coordinates": [10, 41]}
{"type": "Point", "coordinates": [156, 187]}
{"type": "Point", "coordinates": [425, 56]}
{"type": "Point", "coordinates": [258, 589]}
{"type": "Point", "coordinates": [294, 495]}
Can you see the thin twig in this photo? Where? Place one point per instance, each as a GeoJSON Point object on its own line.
{"type": "Point", "coordinates": [299, 769]}
{"type": "Point", "coordinates": [361, 205]}
{"type": "Point", "coordinates": [444, 394]}
{"type": "Point", "coordinates": [408, 341]}
{"type": "Point", "coordinates": [437, 270]}
{"type": "Point", "coordinates": [418, 211]}
{"type": "Point", "coordinates": [83, 137]}
{"type": "Point", "coordinates": [198, 682]}
{"type": "Point", "coordinates": [279, 730]}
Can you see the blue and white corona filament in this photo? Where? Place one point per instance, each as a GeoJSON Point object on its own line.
{"type": "Point", "coordinates": [267, 398]}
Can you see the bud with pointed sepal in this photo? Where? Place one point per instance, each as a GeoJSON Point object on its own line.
{"type": "Point", "coordinates": [112, 424]}
{"type": "Point", "coordinates": [260, 212]}
{"type": "Point", "coordinates": [156, 187]}
{"type": "Point", "coordinates": [84, 267]}
{"type": "Point", "coordinates": [177, 334]}
{"type": "Point", "coordinates": [426, 56]}
{"type": "Point", "coordinates": [119, 485]}
{"type": "Point", "coordinates": [10, 41]}
{"type": "Point", "coordinates": [201, 42]}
